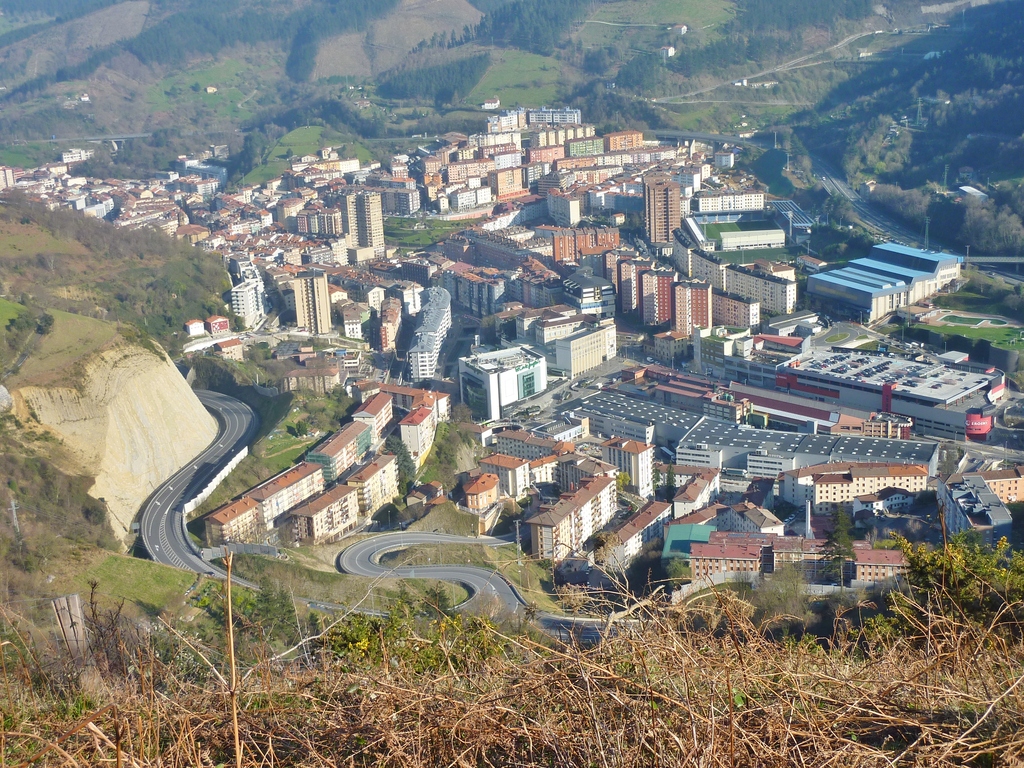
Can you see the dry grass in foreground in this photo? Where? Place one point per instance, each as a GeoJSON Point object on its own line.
{"type": "Point", "coordinates": [694, 686]}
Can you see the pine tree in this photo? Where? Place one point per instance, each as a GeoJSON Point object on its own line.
{"type": "Point", "coordinates": [406, 466]}
{"type": "Point", "coordinates": [839, 544]}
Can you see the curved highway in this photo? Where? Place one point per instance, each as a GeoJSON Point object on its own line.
{"type": "Point", "coordinates": [162, 520]}
{"type": "Point", "coordinates": [363, 559]}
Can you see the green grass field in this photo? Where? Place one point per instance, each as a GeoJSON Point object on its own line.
{"type": "Point", "coordinates": [517, 77]}
{"type": "Point", "coordinates": [190, 87]}
{"type": "Point", "coordinates": [714, 231]}
{"type": "Point", "coordinates": [73, 337]}
{"type": "Point", "coordinates": [301, 141]}
{"type": "Point", "coordinates": [662, 14]}
{"type": "Point", "coordinates": [8, 311]}
{"type": "Point", "coordinates": [401, 232]}
{"type": "Point", "coordinates": [1009, 338]}
{"type": "Point", "coordinates": [18, 240]}
{"type": "Point", "coordinates": [149, 585]}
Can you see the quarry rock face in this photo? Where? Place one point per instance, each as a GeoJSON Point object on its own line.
{"type": "Point", "coordinates": [131, 421]}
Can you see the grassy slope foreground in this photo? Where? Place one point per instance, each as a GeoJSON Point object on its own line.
{"type": "Point", "coordinates": [697, 684]}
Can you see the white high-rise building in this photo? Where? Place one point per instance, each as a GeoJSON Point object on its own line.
{"type": "Point", "coordinates": [249, 302]}
{"type": "Point", "coordinates": [435, 320]}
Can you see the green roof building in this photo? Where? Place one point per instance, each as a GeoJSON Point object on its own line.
{"type": "Point", "coordinates": [679, 539]}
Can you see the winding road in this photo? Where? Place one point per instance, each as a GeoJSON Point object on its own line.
{"type": "Point", "coordinates": [162, 519]}
{"type": "Point", "coordinates": [163, 534]}
{"type": "Point", "coordinates": [363, 559]}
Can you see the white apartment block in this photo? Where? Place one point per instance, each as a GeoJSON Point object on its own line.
{"type": "Point", "coordinates": [725, 202]}
{"type": "Point", "coordinates": [513, 474]}
{"type": "Point", "coordinates": [248, 301]}
{"type": "Point", "coordinates": [634, 458]}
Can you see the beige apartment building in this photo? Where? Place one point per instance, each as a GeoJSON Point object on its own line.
{"type": "Point", "coordinates": [562, 530]}
{"type": "Point", "coordinates": [312, 302]}
{"type": "Point", "coordinates": [341, 450]}
{"type": "Point", "coordinates": [376, 413]}
{"type": "Point", "coordinates": [513, 474]}
{"type": "Point", "coordinates": [327, 516]}
{"type": "Point", "coordinates": [662, 213]}
{"type": "Point", "coordinates": [734, 311]}
{"type": "Point", "coordinates": [238, 521]}
{"type": "Point", "coordinates": [834, 486]}
{"type": "Point", "coordinates": [293, 486]}
{"type": "Point", "coordinates": [773, 285]}
{"type": "Point", "coordinates": [634, 458]}
{"type": "Point", "coordinates": [377, 483]}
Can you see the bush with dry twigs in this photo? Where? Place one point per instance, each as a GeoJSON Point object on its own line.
{"type": "Point", "coordinates": [701, 684]}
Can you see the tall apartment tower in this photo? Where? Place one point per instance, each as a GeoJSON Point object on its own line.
{"type": "Point", "coordinates": [691, 305]}
{"type": "Point", "coordinates": [312, 302]}
{"type": "Point", "coordinates": [362, 218]}
{"type": "Point", "coordinates": [661, 208]}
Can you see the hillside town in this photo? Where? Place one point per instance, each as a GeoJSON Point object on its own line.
{"type": "Point", "coordinates": [672, 389]}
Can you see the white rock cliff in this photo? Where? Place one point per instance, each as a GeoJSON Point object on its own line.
{"type": "Point", "coordinates": [131, 423]}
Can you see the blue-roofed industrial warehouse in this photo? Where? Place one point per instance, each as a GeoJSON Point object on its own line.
{"type": "Point", "coordinates": [889, 277]}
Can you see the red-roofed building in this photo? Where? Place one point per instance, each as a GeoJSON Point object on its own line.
{"type": "Point", "coordinates": [230, 349]}
{"type": "Point", "coordinates": [376, 413]}
{"type": "Point", "coordinates": [237, 521]}
{"type": "Point", "coordinates": [872, 566]}
{"type": "Point", "coordinates": [417, 430]}
{"type": "Point", "coordinates": [216, 324]}
{"type": "Point", "coordinates": [327, 516]}
{"type": "Point", "coordinates": [710, 560]}
{"type": "Point", "coordinates": [482, 492]}
{"type": "Point", "coordinates": [282, 492]}
{"type": "Point", "coordinates": [635, 459]}
{"type": "Point", "coordinates": [513, 474]}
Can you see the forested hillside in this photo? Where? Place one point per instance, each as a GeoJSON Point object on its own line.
{"type": "Point", "coordinates": [969, 96]}
{"type": "Point", "coordinates": [62, 260]}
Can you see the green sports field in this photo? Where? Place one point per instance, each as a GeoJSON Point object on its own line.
{"type": "Point", "coordinates": [714, 231]}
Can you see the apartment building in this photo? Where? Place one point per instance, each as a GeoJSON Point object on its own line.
{"type": "Point", "coordinates": [312, 302]}
{"type": "Point", "coordinates": [726, 202]}
{"type": "Point", "coordinates": [482, 492]}
{"type": "Point", "coordinates": [634, 458]}
{"type": "Point", "coordinates": [721, 558]}
{"type": "Point", "coordinates": [342, 449]}
{"type": "Point", "coordinates": [645, 526]}
{"type": "Point", "coordinates": [376, 413]}
{"type": "Point", "coordinates": [656, 295]}
{"type": "Point", "coordinates": [562, 530]}
{"type": "Point", "coordinates": [410, 398]}
{"type": "Point", "coordinates": [976, 501]}
{"type": "Point", "coordinates": [362, 217]}
{"type": "Point", "coordinates": [691, 306]}
{"type": "Point", "coordinates": [327, 516]}
{"type": "Point", "coordinates": [523, 445]}
{"type": "Point", "coordinates": [575, 469]}
{"type": "Point", "coordinates": [735, 311]}
{"type": "Point", "coordinates": [377, 483]}
{"type": "Point", "coordinates": [589, 294]}
{"type": "Point", "coordinates": [286, 490]}
{"type": "Point", "coordinates": [390, 323]}
{"type": "Point", "coordinates": [513, 474]}
{"type": "Point", "coordinates": [773, 285]}
{"type": "Point", "coordinates": [874, 566]}
{"type": "Point", "coordinates": [435, 320]}
{"type": "Point", "coordinates": [417, 430]}
{"type": "Point", "coordinates": [662, 212]}
{"type": "Point", "coordinates": [835, 486]}
{"type": "Point", "coordinates": [239, 521]}
{"type": "Point", "coordinates": [620, 141]}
